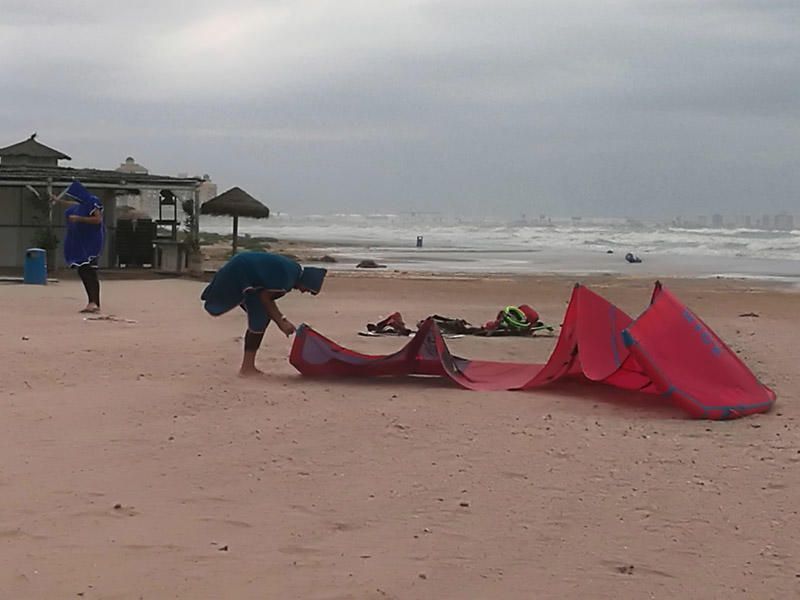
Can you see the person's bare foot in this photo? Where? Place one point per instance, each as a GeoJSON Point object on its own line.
{"type": "Point", "coordinates": [91, 308]}
{"type": "Point", "coordinates": [250, 372]}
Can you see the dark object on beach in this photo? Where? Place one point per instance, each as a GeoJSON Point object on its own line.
{"type": "Point", "coordinates": [419, 241]}
{"type": "Point", "coordinates": [609, 252]}
{"type": "Point", "coordinates": [499, 327]}
{"type": "Point", "coordinates": [369, 264]}
{"type": "Point", "coordinates": [391, 325]}
{"type": "Point", "coordinates": [448, 326]}
{"type": "Point", "coordinates": [632, 258]}
{"type": "Point", "coordinates": [324, 259]}
{"type": "Point", "coordinates": [453, 326]}
{"type": "Point", "coordinates": [625, 569]}
{"type": "Point", "coordinates": [235, 203]}
{"type": "Point", "coordinates": [749, 314]}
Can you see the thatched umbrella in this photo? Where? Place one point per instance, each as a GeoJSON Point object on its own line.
{"type": "Point", "coordinates": [235, 203]}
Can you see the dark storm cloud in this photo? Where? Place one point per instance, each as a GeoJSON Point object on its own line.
{"type": "Point", "coordinates": [616, 107]}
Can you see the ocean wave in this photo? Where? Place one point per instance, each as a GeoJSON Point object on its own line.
{"type": "Point", "coordinates": [439, 233]}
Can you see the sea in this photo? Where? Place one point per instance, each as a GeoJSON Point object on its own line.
{"type": "Point", "coordinates": [567, 246]}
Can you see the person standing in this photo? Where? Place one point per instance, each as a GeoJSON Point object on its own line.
{"type": "Point", "coordinates": [83, 242]}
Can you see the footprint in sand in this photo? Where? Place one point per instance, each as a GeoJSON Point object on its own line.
{"type": "Point", "coordinates": [345, 527]}
{"type": "Point", "coordinates": [231, 522]}
{"type": "Point", "coordinates": [301, 550]}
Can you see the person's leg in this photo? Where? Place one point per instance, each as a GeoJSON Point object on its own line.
{"type": "Point", "coordinates": [83, 273]}
{"type": "Point", "coordinates": [88, 276]}
{"type": "Point", "coordinates": [252, 342]}
{"type": "Point", "coordinates": [94, 287]}
{"type": "Point", "coordinates": [257, 322]}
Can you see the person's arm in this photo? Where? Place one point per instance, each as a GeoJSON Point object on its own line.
{"type": "Point", "coordinates": [93, 219]}
{"type": "Point", "coordinates": [62, 199]}
{"type": "Point", "coordinates": [274, 313]}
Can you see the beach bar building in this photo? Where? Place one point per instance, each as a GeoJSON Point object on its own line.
{"type": "Point", "coordinates": [30, 172]}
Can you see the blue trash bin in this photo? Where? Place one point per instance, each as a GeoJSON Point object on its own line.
{"type": "Point", "coordinates": [35, 266]}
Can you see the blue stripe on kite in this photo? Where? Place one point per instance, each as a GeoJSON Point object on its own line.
{"type": "Point", "coordinates": [627, 338]}
{"type": "Point", "coordinates": [673, 389]}
{"type": "Point", "coordinates": [614, 349]}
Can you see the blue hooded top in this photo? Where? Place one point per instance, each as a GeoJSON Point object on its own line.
{"type": "Point", "coordinates": [83, 242]}
{"type": "Point", "coordinates": [253, 271]}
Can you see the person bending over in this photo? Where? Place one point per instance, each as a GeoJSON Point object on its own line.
{"type": "Point", "coordinates": [254, 281]}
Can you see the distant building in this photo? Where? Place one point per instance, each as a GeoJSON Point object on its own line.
{"type": "Point", "coordinates": [149, 202]}
{"type": "Point", "coordinates": [716, 221]}
{"type": "Point", "coordinates": [748, 221]}
{"type": "Point", "coordinates": [30, 171]}
{"type": "Point", "coordinates": [766, 222]}
{"type": "Point", "coordinates": [143, 202]}
{"type": "Point", "coordinates": [784, 222]}
{"type": "Point", "coordinates": [207, 189]}
{"type": "Point", "coordinates": [131, 166]}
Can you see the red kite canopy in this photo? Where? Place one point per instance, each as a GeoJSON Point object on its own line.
{"type": "Point", "coordinates": [668, 351]}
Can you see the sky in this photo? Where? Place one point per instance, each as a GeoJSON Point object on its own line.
{"type": "Point", "coordinates": [468, 107]}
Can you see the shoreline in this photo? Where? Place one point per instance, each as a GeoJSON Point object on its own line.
{"type": "Point", "coordinates": [423, 262]}
{"type": "Point", "coordinates": [412, 263]}
{"type": "Point", "coordinates": [602, 279]}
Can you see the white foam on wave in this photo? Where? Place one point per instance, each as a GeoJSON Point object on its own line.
{"type": "Point", "coordinates": [392, 231]}
{"type": "Point", "coordinates": [492, 244]}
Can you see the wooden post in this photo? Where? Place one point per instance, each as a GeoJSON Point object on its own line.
{"type": "Point", "coordinates": [235, 233]}
{"type": "Point", "coordinates": [51, 254]}
{"type": "Point", "coordinates": [196, 222]}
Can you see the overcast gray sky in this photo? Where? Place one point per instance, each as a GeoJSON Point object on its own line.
{"type": "Point", "coordinates": [603, 107]}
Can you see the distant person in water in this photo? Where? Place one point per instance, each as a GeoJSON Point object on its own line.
{"type": "Point", "coordinates": [254, 281]}
{"type": "Point", "coordinates": [632, 258]}
{"type": "Point", "coordinates": [83, 242]}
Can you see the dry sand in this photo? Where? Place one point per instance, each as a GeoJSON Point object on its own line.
{"type": "Point", "coordinates": [137, 465]}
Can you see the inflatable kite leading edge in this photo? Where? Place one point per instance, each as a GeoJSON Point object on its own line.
{"type": "Point", "coordinates": [668, 352]}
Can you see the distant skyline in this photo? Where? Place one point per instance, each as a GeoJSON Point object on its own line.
{"type": "Point", "coordinates": [641, 108]}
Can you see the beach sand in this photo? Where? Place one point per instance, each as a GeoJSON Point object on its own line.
{"type": "Point", "coordinates": [137, 465]}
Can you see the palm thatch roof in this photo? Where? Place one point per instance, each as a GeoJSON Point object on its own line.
{"type": "Point", "coordinates": [235, 203]}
